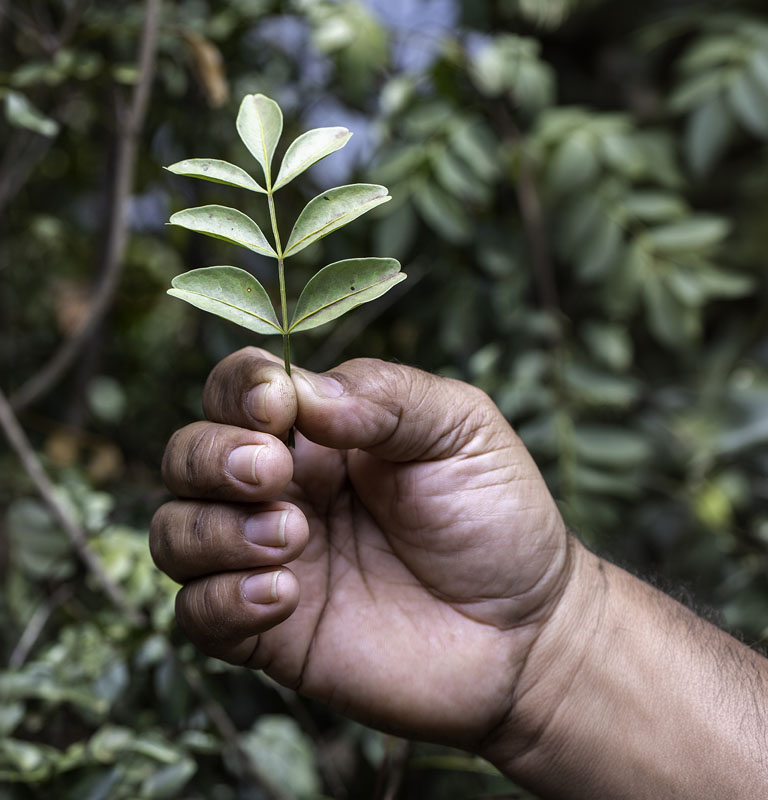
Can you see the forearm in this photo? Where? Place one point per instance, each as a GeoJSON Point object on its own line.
{"type": "Point", "coordinates": [627, 694]}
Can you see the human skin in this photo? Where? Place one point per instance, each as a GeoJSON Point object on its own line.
{"type": "Point", "coordinates": [407, 565]}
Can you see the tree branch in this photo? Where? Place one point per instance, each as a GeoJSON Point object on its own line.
{"type": "Point", "coordinates": [129, 127]}
{"type": "Point", "coordinates": [32, 466]}
{"type": "Point", "coordinates": [36, 624]}
{"type": "Point", "coordinates": [221, 720]}
{"type": "Point", "coordinates": [533, 222]}
{"type": "Point", "coordinates": [71, 21]}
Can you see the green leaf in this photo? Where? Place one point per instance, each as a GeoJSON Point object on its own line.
{"type": "Point", "coordinates": [332, 210]}
{"type": "Point", "coordinates": [758, 66]}
{"type": "Point", "coordinates": [595, 387]}
{"type": "Point", "coordinates": [693, 234]}
{"type": "Point", "coordinates": [712, 51]}
{"type": "Point", "coordinates": [308, 149]}
{"type": "Point", "coordinates": [260, 123]}
{"type": "Point", "coordinates": [342, 286]}
{"type": "Point", "coordinates": [579, 222]}
{"type": "Point", "coordinates": [443, 212]}
{"type": "Point", "coordinates": [602, 251]}
{"type": "Point", "coordinates": [228, 224]}
{"type": "Point", "coordinates": [475, 143]}
{"type": "Point", "coordinates": [284, 755]}
{"type": "Point", "coordinates": [611, 446]}
{"type": "Point", "coordinates": [169, 780]}
{"type": "Point", "coordinates": [38, 546]}
{"type": "Point", "coordinates": [650, 206]}
{"type": "Point", "coordinates": [456, 177]}
{"type": "Point", "coordinates": [670, 321]}
{"type": "Point", "coordinates": [216, 171]}
{"type": "Point", "coordinates": [574, 164]}
{"type": "Point", "coordinates": [708, 134]}
{"type": "Point", "coordinates": [21, 113]}
{"type": "Point", "coordinates": [750, 104]}
{"type": "Point", "coordinates": [621, 153]}
{"type": "Point", "coordinates": [609, 343]}
{"type": "Point", "coordinates": [697, 90]}
{"type": "Point", "coordinates": [230, 293]}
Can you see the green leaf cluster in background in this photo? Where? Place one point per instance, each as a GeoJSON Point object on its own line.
{"type": "Point", "coordinates": [579, 194]}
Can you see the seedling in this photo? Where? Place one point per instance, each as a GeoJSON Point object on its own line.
{"type": "Point", "coordinates": [233, 293]}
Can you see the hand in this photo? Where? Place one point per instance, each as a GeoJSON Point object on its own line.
{"type": "Point", "coordinates": [398, 565]}
{"type": "Point", "coordinates": [440, 596]}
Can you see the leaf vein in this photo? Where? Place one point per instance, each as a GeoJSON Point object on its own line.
{"type": "Point", "coordinates": [237, 308]}
{"type": "Point", "coordinates": [337, 300]}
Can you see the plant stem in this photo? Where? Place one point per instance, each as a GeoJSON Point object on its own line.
{"type": "Point", "coordinates": [283, 298]}
{"type": "Point", "coordinates": [17, 438]}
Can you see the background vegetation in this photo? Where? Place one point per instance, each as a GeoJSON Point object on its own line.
{"type": "Point", "coordinates": [580, 194]}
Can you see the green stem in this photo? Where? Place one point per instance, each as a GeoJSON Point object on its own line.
{"type": "Point", "coordinates": [283, 298]}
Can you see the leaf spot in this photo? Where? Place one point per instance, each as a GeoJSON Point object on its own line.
{"type": "Point", "coordinates": [206, 167]}
{"type": "Point", "coordinates": [325, 197]}
{"type": "Point", "coordinates": [248, 289]}
{"type": "Point", "coordinates": [351, 288]}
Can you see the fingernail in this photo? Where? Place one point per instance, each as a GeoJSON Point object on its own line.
{"type": "Point", "coordinates": [257, 402]}
{"type": "Point", "coordinates": [262, 588]}
{"type": "Point", "coordinates": [322, 385]}
{"type": "Point", "coordinates": [267, 529]}
{"type": "Point", "coordinates": [242, 462]}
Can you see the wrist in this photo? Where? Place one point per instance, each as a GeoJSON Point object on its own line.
{"type": "Point", "coordinates": [565, 638]}
{"type": "Point", "coordinates": [626, 693]}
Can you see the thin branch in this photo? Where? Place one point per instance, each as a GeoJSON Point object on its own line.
{"type": "Point", "coordinates": [227, 730]}
{"type": "Point", "coordinates": [533, 221]}
{"type": "Point", "coordinates": [129, 127]}
{"type": "Point", "coordinates": [36, 624]}
{"type": "Point", "coordinates": [531, 213]}
{"type": "Point", "coordinates": [32, 466]}
{"type": "Point", "coordinates": [393, 768]}
{"type": "Point", "coordinates": [71, 21]}
{"type": "Point", "coordinates": [304, 718]}
{"type": "Point", "coordinates": [26, 150]}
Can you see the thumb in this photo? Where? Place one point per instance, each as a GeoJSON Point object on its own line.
{"type": "Point", "coordinates": [394, 412]}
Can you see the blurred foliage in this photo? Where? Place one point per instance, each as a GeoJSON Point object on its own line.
{"type": "Point", "coordinates": [580, 190]}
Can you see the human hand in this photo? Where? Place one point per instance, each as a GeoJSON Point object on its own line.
{"type": "Point", "coordinates": [422, 551]}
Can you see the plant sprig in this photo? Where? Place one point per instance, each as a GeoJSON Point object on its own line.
{"type": "Point", "coordinates": [235, 294]}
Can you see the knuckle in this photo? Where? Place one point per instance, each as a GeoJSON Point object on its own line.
{"type": "Point", "coordinates": [191, 460]}
{"type": "Point", "coordinates": [199, 612]}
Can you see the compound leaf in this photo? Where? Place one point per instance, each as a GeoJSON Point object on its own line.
{"type": "Point", "coordinates": [216, 171]}
{"type": "Point", "coordinates": [228, 292]}
{"type": "Point", "coordinates": [332, 210]}
{"type": "Point", "coordinates": [225, 223]}
{"type": "Point", "coordinates": [342, 286]}
{"type": "Point", "coordinates": [260, 123]}
{"type": "Point", "coordinates": [308, 149]}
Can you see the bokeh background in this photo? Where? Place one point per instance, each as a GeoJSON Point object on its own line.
{"type": "Point", "coordinates": [581, 202]}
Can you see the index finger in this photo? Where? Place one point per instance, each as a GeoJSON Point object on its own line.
{"type": "Point", "coordinates": [251, 389]}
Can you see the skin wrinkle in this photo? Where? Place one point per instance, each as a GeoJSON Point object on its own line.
{"type": "Point", "coordinates": [359, 509]}
{"type": "Point", "coordinates": [306, 662]}
{"type": "Point", "coordinates": [519, 692]}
